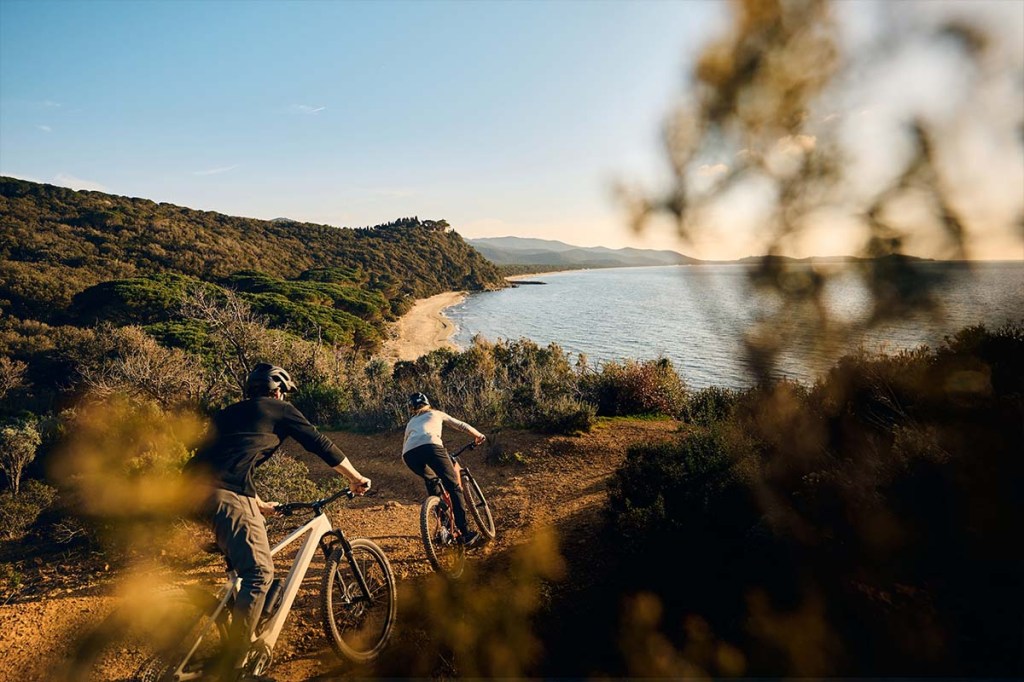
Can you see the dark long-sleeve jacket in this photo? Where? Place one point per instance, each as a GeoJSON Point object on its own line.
{"type": "Point", "coordinates": [246, 434]}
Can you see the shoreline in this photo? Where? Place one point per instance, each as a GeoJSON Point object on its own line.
{"type": "Point", "coordinates": [533, 275]}
{"type": "Point", "coordinates": [424, 328]}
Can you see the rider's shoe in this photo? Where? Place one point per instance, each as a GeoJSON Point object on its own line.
{"type": "Point", "coordinates": [471, 539]}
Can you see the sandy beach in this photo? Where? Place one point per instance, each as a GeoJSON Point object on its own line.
{"type": "Point", "coordinates": [424, 328]}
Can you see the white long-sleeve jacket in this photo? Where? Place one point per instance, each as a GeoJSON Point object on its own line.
{"type": "Point", "coordinates": [426, 426]}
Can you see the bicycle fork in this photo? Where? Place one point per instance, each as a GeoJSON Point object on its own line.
{"type": "Point", "coordinates": [346, 549]}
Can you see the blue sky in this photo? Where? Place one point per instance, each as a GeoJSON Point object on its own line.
{"type": "Point", "coordinates": [505, 118]}
{"type": "Point", "coordinates": [502, 117]}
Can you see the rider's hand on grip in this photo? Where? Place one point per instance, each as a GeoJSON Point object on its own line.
{"type": "Point", "coordinates": [361, 486]}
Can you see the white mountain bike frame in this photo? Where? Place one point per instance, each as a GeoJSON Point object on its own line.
{"type": "Point", "coordinates": [317, 528]}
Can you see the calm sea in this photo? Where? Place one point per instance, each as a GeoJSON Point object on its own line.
{"type": "Point", "coordinates": [697, 316]}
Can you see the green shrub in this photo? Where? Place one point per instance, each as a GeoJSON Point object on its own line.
{"type": "Point", "coordinates": [509, 383]}
{"type": "Point", "coordinates": [708, 405]}
{"type": "Point", "coordinates": [563, 415]}
{"type": "Point", "coordinates": [18, 444]}
{"type": "Point", "coordinates": [637, 388]}
{"type": "Point", "coordinates": [285, 479]}
{"type": "Point", "coordinates": [19, 512]}
{"type": "Point", "coordinates": [323, 403]}
{"type": "Point", "coordinates": [667, 495]}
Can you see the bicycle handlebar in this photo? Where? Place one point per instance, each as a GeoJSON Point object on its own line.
{"type": "Point", "coordinates": [468, 446]}
{"type": "Point", "coordinates": [291, 507]}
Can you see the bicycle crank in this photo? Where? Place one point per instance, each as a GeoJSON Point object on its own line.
{"type": "Point", "coordinates": [259, 658]}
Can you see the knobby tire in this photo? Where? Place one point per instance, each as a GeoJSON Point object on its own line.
{"type": "Point", "coordinates": [447, 556]}
{"type": "Point", "coordinates": [358, 631]}
{"type": "Point", "coordinates": [477, 505]}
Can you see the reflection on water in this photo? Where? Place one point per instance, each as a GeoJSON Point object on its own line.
{"type": "Point", "coordinates": [697, 316]}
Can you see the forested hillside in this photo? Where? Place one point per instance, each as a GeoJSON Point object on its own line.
{"type": "Point", "coordinates": [100, 291]}
{"type": "Point", "coordinates": [75, 257]}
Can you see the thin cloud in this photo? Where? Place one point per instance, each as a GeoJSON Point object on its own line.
{"type": "Point", "coordinates": [45, 129]}
{"type": "Point", "coordinates": [65, 180]}
{"type": "Point", "coordinates": [215, 171]}
{"type": "Point", "coordinates": [306, 109]}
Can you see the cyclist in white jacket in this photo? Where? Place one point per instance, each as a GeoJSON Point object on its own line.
{"type": "Point", "coordinates": [423, 452]}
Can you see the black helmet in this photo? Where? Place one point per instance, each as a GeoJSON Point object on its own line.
{"type": "Point", "coordinates": [418, 400]}
{"type": "Point", "coordinates": [265, 378]}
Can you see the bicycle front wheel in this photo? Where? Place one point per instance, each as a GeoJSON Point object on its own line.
{"type": "Point", "coordinates": [477, 505]}
{"type": "Point", "coordinates": [446, 554]}
{"type": "Point", "coordinates": [357, 622]}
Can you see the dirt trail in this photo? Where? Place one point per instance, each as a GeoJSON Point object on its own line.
{"type": "Point", "coordinates": [557, 481]}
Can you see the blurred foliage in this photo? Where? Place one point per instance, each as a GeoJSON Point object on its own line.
{"type": "Point", "coordinates": [120, 470]}
{"type": "Point", "coordinates": [846, 123]}
{"type": "Point", "coordinates": [479, 626]}
{"type": "Point", "coordinates": [865, 525]}
{"type": "Point", "coordinates": [877, 509]}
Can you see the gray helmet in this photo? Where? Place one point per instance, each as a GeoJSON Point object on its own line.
{"type": "Point", "coordinates": [265, 378]}
{"type": "Point", "coordinates": [418, 400]}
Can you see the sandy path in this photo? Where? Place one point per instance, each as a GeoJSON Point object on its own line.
{"type": "Point", "coordinates": [424, 328]}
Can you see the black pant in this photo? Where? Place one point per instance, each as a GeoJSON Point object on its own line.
{"type": "Point", "coordinates": [242, 536]}
{"type": "Point", "coordinates": [432, 460]}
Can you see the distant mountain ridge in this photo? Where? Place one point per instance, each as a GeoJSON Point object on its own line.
{"type": "Point", "coordinates": [529, 251]}
{"type": "Point", "coordinates": [550, 253]}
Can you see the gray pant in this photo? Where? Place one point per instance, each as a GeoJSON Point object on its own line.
{"type": "Point", "coordinates": [242, 535]}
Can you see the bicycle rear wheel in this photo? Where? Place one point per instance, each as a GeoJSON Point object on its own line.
{"type": "Point", "coordinates": [477, 505]}
{"type": "Point", "coordinates": [147, 642]}
{"type": "Point", "coordinates": [446, 554]}
{"type": "Point", "coordinates": [356, 626]}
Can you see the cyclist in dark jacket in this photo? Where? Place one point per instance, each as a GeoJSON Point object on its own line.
{"type": "Point", "coordinates": [245, 435]}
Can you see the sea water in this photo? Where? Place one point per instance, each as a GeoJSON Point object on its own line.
{"type": "Point", "coordinates": [698, 316]}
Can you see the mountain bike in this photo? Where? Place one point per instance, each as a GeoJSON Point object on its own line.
{"type": "Point", "coordinates": [185, 629]}
{"type": "Point", "coordinates": [441, 536]}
